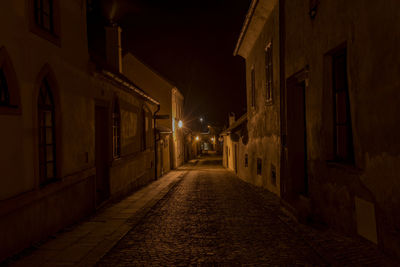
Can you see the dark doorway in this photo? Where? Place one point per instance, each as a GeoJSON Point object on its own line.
{"type": "Point", "coordinates": [236, 158]}
{"type": "Point", "coordinates": [102, 155]}
{"type": "Point", "coordinates": [296, 137]}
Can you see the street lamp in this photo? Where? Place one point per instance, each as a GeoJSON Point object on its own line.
{"type": "Point", "coordinates": [180, 124]}
{"type": "Point", "coordinates": [197, 138]}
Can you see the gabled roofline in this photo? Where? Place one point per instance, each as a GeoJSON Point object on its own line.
{"type": "Point", "coordinates": [245, 26]}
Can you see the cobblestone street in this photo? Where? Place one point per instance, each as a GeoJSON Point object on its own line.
{"type": "Point", "coordinates": [213, 218]}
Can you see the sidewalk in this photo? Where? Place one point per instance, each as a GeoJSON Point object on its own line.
{"type": "Point", "coordinates": [85, 243]}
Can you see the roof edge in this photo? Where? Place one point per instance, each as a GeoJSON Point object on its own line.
{"type": "Point", "coordinates": [245, 26]}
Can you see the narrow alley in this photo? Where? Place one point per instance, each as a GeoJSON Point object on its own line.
{"type": "Point", "coordinates": [211, 217]}
{"type": "Point", "coordinates": [207, 216]}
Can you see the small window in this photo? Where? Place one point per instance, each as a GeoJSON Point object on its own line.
{"type": "Point", "coordinates": [268, 72]}
{"type": "Point", "coordinates": [246, 160]}
{"type": "Point", "coordinates": [116, 129]}
{"type": "Point", "coordinates": [44, 19]}
{"type": "Point", "coordinates": [273, 174]}
{"type": "Point", "coordinates": [143, 140]}
{"type": "Point", "coordinates": [253, 87]}
{"type": "Point", "coordinates": [343, 138]}
{"type": "Point", "coordinates": [47, 134]}
{"type": "Point", "coordinates": [44, 15]}
{"type": "Point", "coordinates": [4, 93]}
{"type": "Point", "coordinates": [259, 166]}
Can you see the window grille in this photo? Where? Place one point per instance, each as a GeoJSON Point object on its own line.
{"type": "Point", "coordinates": [47, 134]}
{"type": "Point", "coordinates": [44, 14]}
{"type": "Point", "coordinates": [268, 72]}
{"type": "Point", "coordinates": [343, 140]}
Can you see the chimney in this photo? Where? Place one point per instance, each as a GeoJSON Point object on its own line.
{"type": "Point", "coordinates": [113, 47]}
{"type": "Point", "coordinates": [231, 118]}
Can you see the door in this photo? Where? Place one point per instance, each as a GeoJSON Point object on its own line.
{"type": "Point", "coordinates": [102, 154]}
{"type": "Point", "coordinates": [296, 138]}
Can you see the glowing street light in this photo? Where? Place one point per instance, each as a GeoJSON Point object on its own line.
{"type": "Point", "coordinates": [197, 138]}
{"type": "Point", "coordinates": [180, 124]}
{"type": "Point", "coordinates": [201, 119]}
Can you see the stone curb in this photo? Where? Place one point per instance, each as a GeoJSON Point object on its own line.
{"type": "Point", "coordinates": [100, 251]}
{"type": "Point", "coordinates": [121, 217]}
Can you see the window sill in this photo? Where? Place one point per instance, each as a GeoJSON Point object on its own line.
{"type": "Point", "coordinates": [269, 102]}
{"type": "Point", "coordinates": [345, 166]}
{"type": "Point", "coordinates": [10, 110]}
{"type": "Point", "coordinates": [51, 37]}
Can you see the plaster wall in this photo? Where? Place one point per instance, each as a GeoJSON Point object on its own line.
{"type": "Point", "coordinates": [264, 118]}
{"type": "Point", "coordinates": [371, 35]}
{"type": "Point", "coordinates": [29, 211]}
{"type": "Point", "coordinates": [135, 167]}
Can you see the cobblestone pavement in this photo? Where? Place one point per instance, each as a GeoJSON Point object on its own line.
{"type": "Point", "coordinates": [214, 218]}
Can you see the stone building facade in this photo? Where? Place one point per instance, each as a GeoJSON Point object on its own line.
{"type": "Point", "coordinates": [235, 154]}
{"type": "Point", "coordinates": [260, 46]}
{"type": "Point", "coordinates": [73, 134]}
{"type": "Point", "coordinates": [170, 145]}
{"type": "Point", "coordinates": [335, 93]}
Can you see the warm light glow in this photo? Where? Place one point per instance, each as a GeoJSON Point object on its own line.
{"type": "Point", "coordinates": [197, 138]}
{"type": "Point", "coordinates": [208, 126]}
{"type": "Point", "coordinates": [201, 119]}
{"type": "Point", "coordinates": [212, 139]}
{"type": "Point", "coordinates": [180, 124]}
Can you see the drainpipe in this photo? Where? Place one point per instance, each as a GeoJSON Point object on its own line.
{"type": "Point", "coordinates": [155, 141]}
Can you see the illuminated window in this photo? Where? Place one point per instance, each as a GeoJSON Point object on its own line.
{"type": "Point", "coordinates": [44, 14]}
{"type": "Point", "coordinates": [253, 88]}
{"type": "Point", "coordinates": [116, 129]}
{"type": "Point", "coordinates": [268, 72]}
{"type": "Point", "coordinates": [343, 139]}
{"type": "Point", "coordinates": [47, 142]}
{"type": "Point", "coordinates": [4, 93]}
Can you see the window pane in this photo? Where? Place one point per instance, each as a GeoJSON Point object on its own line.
{"type": "Point", "coordinates": [4, 93]}
{"type": "Point", "coordinates": [48, 116]}
{"type": "Point", "coordinates": [342, 142]}
{"type": "Point", "coordinates": [49, 136]}
{"type": "Point", "coordinates": [49, 153]}
{"type": "Point", "coordinates": [50, 170]}
{"type": "Point", "coordinates": [341, 109]}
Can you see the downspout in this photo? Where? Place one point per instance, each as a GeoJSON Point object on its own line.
{"type": "Point", "coordinates": [155, 141]}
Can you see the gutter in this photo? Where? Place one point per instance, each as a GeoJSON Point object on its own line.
{"type": "Point", "coordinates": [128, 85]}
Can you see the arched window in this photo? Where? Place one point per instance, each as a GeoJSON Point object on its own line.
{"type": "Point", "coordinates": [116, 129]}
{"type": "Point", "coordinates": [47, 134]}
{"type": "Point", "coordinates": [9, 90]}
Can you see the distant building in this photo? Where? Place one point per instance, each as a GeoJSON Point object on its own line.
{"type": "Point", "coordinates": [171, 148]}
{"type": "Point", "coordinates": [235, 147]}
{"type": "Point", "coordinates": [323, 92]}
{"type": "Point", "coordinates": [74, 133]}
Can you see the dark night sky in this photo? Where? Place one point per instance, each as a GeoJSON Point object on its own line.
{"type": "Point", "coordinates": [188, 42]}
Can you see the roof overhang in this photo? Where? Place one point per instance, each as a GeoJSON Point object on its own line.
{"type": "Point", "coordinates": [254, 22]}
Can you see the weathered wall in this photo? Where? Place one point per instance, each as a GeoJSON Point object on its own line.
{"type": "Point", "coordinates": [263, 118]}
{"type": "Point", "coordinates": [29, 211]}
{"type": "Point", "coordinates": [135, 167]}
{"type": "Point", "coordinates": [371, 33]}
